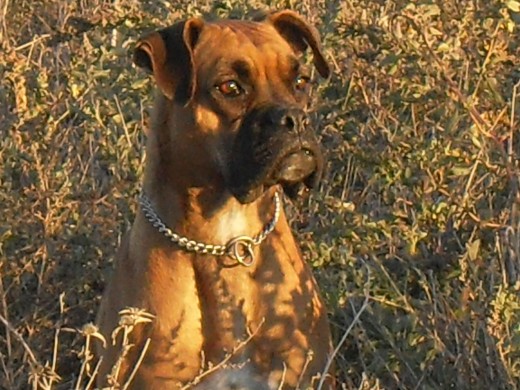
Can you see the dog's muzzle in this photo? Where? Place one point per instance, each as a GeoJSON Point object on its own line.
{"type": "Point", "coordinates": [274, 146]}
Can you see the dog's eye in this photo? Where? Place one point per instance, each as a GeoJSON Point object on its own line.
{"type": "Point", "coordinates": [301, 82]}
{"type": "Point", "coordinates": [230, 88]}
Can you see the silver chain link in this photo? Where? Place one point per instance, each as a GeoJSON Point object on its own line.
{"type": "Point", "coordinates": [232, 248]}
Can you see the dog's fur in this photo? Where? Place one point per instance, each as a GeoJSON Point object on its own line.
{"type": "Point", "coordinates": [214, 162]}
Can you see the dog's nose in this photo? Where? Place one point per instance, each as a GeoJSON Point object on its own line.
{"type": "Point", "coordinates": [289, 119]}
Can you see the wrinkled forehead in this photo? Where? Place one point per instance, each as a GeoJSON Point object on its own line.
{"type": "Point", "coordinates": [242, 33]}
{"type": "Point", "coordinates": [230, 40]}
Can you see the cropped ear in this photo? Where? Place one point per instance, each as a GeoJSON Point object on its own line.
{"type": "Point", "coordinates": [168, 55]}
{"type": "Point", "coordinates": [300, 35]}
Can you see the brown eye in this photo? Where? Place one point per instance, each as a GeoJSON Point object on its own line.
{"type": "Point", "coordinates": [301, 83]}
{"type": "Point", "coordinates": [230, 88]}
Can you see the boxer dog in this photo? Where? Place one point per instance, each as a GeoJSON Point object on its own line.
{"type": "Point", "coordinates": [210, 255]}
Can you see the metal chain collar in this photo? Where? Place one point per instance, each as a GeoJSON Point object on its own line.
{"type": "Point", "coordinates": [239, 248]}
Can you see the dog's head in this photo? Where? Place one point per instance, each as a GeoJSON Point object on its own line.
{"type": "Point", "coordinates": [246, 92]}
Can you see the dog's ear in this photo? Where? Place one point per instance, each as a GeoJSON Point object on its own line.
{"type": "Point", "coordinates": [300, 35]}
{"type": "Point", "coordinates": [168, 55]}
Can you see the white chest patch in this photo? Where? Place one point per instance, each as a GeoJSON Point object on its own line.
{"type": "Point", "coordinates": [232, 224]}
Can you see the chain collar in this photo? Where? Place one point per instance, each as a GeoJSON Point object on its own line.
{"type": "Point", "coordinates": [239, 248]}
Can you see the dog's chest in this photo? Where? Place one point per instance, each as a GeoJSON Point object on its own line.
{"type": "Point", "coordinates": [233, 223]}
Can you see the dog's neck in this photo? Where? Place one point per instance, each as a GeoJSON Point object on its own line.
{"type": "Point", "coordinates": [207, 213]}
{"type": "Point", "coordinates": [209, 216]}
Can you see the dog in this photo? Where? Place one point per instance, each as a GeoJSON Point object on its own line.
{"type": "Point", "coordinates": [210, 256]}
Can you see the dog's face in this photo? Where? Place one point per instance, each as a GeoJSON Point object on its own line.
{"type": "Point", "coordinates": [247, 92]}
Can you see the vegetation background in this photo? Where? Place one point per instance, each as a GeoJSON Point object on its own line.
{"type": "Point", "coordinates": [415, 232]}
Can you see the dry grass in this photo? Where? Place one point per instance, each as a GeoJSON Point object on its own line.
{"type": "Point", "coordinates": [419, 209]}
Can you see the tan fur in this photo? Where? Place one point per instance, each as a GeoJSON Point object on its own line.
{"type": "Point", "coordinates": [206, 305]}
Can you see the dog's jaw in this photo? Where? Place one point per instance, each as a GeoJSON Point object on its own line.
{"type": "Point", "coordinates": [268, 152]}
